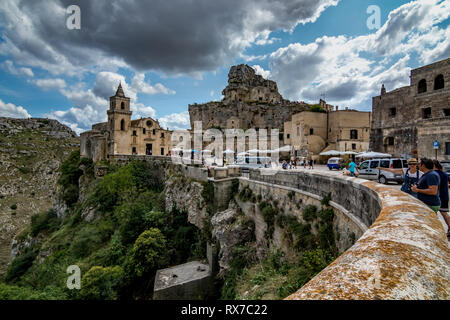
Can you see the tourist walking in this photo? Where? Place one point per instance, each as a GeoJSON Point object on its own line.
{"type": "Point", "coordinates": [412, 175]}
{"type": "Point", "coordinates": [352, 169]}
{"type": "Point", "coordinates": [427, 188]}
{"type": "Point", "coordinates": [310, 162]}
{"type": "Point", "coordinates": [443, 193]}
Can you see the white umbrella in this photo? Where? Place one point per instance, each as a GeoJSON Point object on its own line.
{"type": "Point", "coordinates": [284, 149]}
{"type": "Point", "coordinates": [330, 153]}
{"type": "Point", "coordinates": [206, 151]}
{"type": "Point", "coordinates": [243, 154]}
{"type": "Point", "coordinates": [349, 152]}
{"type": "Point", "coordinates": [228, 151]}
{"type": "Point", "coordinates": [372, 154]}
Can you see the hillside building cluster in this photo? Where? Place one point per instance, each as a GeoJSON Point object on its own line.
{"type": "Point", "coordinates": [409, 121]}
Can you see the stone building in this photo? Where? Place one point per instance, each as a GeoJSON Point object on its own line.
{"type": "Point", "coordinates": [123, 136]}
{"type": "Point", "coordinates": [315, 132]}
{"type": "Point", "coordinates": [250, 101]}
{"type": "Point", "coordinates": [407, 121]}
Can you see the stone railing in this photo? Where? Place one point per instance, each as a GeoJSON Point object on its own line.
{"type": "Point", "coordinates": [403, 255]}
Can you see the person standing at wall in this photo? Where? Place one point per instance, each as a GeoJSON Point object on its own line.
{"type": "Point", "coordinates": [443, 193]}
{"type": "Point", "coordinates": [412, 175]}
{"type": "Point", "coordinates": [427, 188]}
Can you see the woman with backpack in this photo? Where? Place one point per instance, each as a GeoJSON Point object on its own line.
{"type": "Point", "coordinates": [412, 176]}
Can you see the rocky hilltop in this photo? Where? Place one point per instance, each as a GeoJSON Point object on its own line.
{"type": "Point", "coordinates": [250, 101]}
{"type": "Point", "coordinates": [31, 151]}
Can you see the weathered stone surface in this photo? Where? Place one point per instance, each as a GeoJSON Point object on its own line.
{"type": "Point", "coordinates": [250, 101]}
{"type": "Point", "coordinates": [230, 228]}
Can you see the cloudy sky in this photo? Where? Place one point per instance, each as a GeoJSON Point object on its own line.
{"type": "Point", "coordinates": [171, 53]}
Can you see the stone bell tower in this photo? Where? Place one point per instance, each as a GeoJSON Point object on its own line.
{"type": "Point", "coordinates": [119, 123]}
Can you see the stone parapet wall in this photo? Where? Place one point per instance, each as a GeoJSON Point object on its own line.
{"type": "Point", "coordinates": [404, 255]}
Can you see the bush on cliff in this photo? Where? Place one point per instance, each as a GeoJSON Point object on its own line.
{"type": "Point", "coordinates": [101, 283]}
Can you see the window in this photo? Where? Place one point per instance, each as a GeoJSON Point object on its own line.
{"type": "Point", "coordinates": [122, 125]}
{"type": "Point", "coordinates": [392, 112]}
{"type": "Point", "coordinates": [162, 134]}
{"type": "Point", "coordinates": [397, 164]}
{"type": "Point", "coordinates": [390, 141]}
{"type": "Point", "coordinates": [353, 146]}
{"type": "Point", "coordinates": [447, 148]}
{"type": "Point", "coordinates": [134, 133]}
{"type": "Point", "coordinates": [311, 131]}
{"type": "Point", "coordinates": [384, 163]}
{"type": "Point", "coordinates": [288, 136]}
{"type": "Point", "coordinates": [133, 151]}
{"type": "Point", "coordinates": [446, 112]}
{"type": "Point", "coordinates": [426, 113]}
{"type": "Point", "coordinates": [439, 82]}
{"type": "Point", "coordinates": [374, 164]}
{"type": "Point", "coordinates": [422, 86]}
{"type": "Point", "coordinates": [162, 151]}
{"type": "Point", "coordinates": [154, 131]}
{"type": "Point", "coordinates": [354, 134]}
{"type": "Point", "coordinates": [364, 165]}
{"type": "Point", "coordinates": [122, 106]}
{"type": "Point", "coordinates": [149, 123]}
{"type": "Point", "coordinates": [144, 131]}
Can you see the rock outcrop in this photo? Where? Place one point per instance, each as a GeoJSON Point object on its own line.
{"type": "Point", "coordinates": [250, 101]}
{"type": "Point", "coordinates": [31, 151]}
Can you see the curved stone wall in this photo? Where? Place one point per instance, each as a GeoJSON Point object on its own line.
{"type": "Point", "coordinates": [403, 255]}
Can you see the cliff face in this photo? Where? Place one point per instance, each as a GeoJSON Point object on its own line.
{"type": "Point", "coordinates": [250, 101]}
{"type": "Point", "coordinates": [31, 151]}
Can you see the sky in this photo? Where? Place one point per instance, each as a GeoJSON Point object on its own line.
{"type": "Point", "coordinates": [171, 53]}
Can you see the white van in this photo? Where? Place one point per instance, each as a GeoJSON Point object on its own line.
{"type": "Point", "coordinates": [253, 162]}
{"type": "Point", "coordinates": [383, 170]}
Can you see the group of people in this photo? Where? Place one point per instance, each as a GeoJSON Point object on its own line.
{"type": "Point", "coordinates": [292, 164]}
{"type": "Point", "coordinates": [427, 181]}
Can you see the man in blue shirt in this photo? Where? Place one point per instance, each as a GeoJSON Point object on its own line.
{"type": "Point", "coordinates": [351, 168]}
{"type": "Point", "coordinates": [428, 187]}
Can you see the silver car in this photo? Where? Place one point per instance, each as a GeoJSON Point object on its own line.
{"type": "Point", "coordinates": [383, 170]}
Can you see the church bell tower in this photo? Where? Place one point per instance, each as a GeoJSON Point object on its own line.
{"type": "Point", "coordinates": [119, 122]}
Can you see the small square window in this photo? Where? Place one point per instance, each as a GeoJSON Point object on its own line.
{"type": "Point", "coordinates": [446, 112]}
{"type": "Point", "coordinates": [353, 146]}
{"type": "Point", "coordinates": [311, 131]}
{"type": "Point", "coordinates": [393, 112]}
{"type": "Point", "coordinates": [426, 113]}
{"type": "Point", "coordinates": [288, 136]}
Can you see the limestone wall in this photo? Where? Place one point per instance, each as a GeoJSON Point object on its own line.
{"type": "Point", "coordinates": [404, 255]}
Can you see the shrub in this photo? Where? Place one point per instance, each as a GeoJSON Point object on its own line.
{"type": "Point", "coordinates": [101, 283]}
{"type": "Point", "coordinates": [44, 221]}
{"type": "Point", "coordinates": [20, 265]}
{"type": "Point", "coordinates": [14, 207]}
{"type": "Point", "coordinates": [147, 252]}
{"type": "Point", "coordinates": [24, 170]}
{"type": "Point", "coordinates": [208, 195]}
{"type": "Point", "coordinates": [8, 292]}
{"type": "Point", "coordinates": [326, 200]}
{"type": "Point", "coordinates": [317, 108]}
{"type": "Point", "coordinates": [246, 194]}
{"type": "Point", "coordinates": [310, 213]}
{"type": "Point", "coordinates": [291, 195]}
{"type": "Point", "coordinates": [70, 174]}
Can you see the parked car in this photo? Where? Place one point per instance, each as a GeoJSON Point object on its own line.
{"type": "Point", "coordinates": [383, 170]}
{"type": "Point", "coordinates": [446, 165]}
{"type": "Point", "coordinates": [335, 163]}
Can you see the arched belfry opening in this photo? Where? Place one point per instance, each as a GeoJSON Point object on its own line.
{"type": "Point", "coordinates": [439, 82]}
{"type": "Point", "coordinates": [122, 125]}
{"type": "Point", "coordinates": [122, 106]}
{"type": "Point", "coordinates": [422, 87]}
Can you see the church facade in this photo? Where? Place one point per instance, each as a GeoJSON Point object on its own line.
{"type": "Point", "coordinates": [122, 136]}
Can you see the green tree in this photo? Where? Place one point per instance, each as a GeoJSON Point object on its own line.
{"type": "Point", "coordinates": [101, 283]}
{"type": "Point", "coordinates": [147, 252]}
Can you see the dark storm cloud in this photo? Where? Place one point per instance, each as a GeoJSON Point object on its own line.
{"type": "Point", "coordinates": [176, 36]}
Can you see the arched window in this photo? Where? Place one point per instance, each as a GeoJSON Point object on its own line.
{"type": "Point", "coordinates": [422, 86]}
{"type": "Point", "coordinates": [122, 124]}
{"type": "Point", "coordinates": [439, 82]}
{"type": "Point", "coordinates": [122, 105]}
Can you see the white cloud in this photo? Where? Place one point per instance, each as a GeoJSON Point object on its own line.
{"type": "Point", "coordinates": [260, 70]}
{"type": "Point", "coordinates": [12, 111]}
{"type": "Point", "coordinates": [50, 84]}
{"type": "Point", "coordinates": [349, 71]}
{"type": "Point", "coordinates": [175, 121]}
{"type": "Point", "coordinates": [140, 85]}
{"type": "Point", "coordinates": [8, 65]}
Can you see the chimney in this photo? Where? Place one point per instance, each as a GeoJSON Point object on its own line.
{"type": "Point", "coordinates": [383, 89]}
